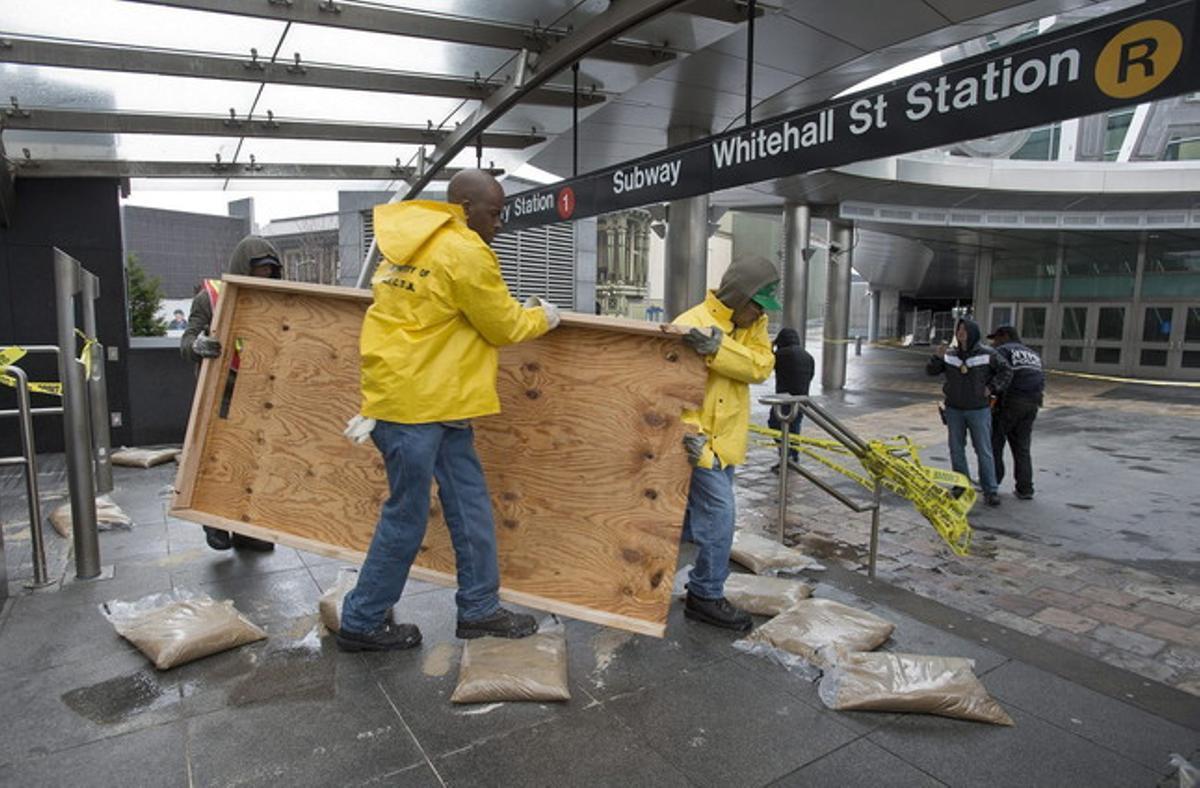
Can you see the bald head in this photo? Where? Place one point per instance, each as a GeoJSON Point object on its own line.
{"type": "Point", "coordinates": [482, 199]}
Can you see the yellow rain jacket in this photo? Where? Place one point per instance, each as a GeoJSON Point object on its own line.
{"type": "Point", "coordinates": [745, 357]}
{"type": "Point", "coordinates": [441, 309]}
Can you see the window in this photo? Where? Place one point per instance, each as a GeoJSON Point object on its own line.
{"type": "Point", "coordinates": [1172, 266]}
{"type": "Point", "coordinates": [1156, 324]}
{"type": "Point", "coordinates": [1110, 323]}
{"type": "Point", "coordinates": [1108, 355]}
{"type": "Point", "coordinates": [1182, 149]}
{"type": "Point", "coordinates": [1115, 130]}
{"type": "Point", "coordinates": [1033, 322]}
{"type": "Point", "coordinates": [1042, 144]}
{"type": "Point", "coordinates": [1024, 274]}
{"type": "Point", "coordinates": [1074, 323]}
{"type": "Point", "coordinates": [1099, 271]}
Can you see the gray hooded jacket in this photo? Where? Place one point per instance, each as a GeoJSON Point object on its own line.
{"type": "Point", "coordinates": [249, 251]}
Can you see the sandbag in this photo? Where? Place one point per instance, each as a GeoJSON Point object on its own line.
{"type": "Point", "coordinates": [764, 596]}
{"type": "Point", "coordinates": [108, 516]}
{"type": "Point", "coordinates": [178, 627]}
{"type": "Point", "coordinates": [330, 604]}
{"type": "Point", "coordinates": [816, 624]}
{"type": "Point", "coordinates": [142, 458]}
{"type": "Point", "coordinates": [882, 681]}
{"type": "Point", "coordinates": [526, 669]}
{"type": "Point", "coordinates": [764, 556]}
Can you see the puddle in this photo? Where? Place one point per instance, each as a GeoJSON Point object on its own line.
{"type": "Point", "coordinates": [120, 699]}
{"type": "Point", "coordinates": [438, 660]}
{"type": "Point", "coordinates": [299, 671]}
{"type": "Point", "coordinates": [821, 548]}
{"type": "Point", "coordinates": [606, 644]}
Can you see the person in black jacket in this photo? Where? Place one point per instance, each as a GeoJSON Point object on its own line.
{"type": "Point", "coordinates": [974, 373]}
{"type": "Point", "coordinates": [794, 368]}
{"type": "Point", "coordinates": [1017, 407]}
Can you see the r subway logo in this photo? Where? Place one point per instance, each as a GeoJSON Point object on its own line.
{"type": "Point", "coordinates": [1139, 59]}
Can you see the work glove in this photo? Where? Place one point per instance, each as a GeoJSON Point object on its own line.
{"type": "Point", "coordinates": [206, 347]}
{"type": "Point", "coordinates": [704, 343]}
{"type": "Point", "coordinates": [359, 428]}
{"type": "Point", "coordinates": [552, 316]}
{"type": "Point", "coordinates": [694, 445]}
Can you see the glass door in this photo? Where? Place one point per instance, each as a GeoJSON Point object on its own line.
{"type": "Point", "coordinates": [1187, 346]}
{"type": "Point", "coordinates": [1072, 336]}
{"type": "Point", "coordinates": [1153, 346]}
{"type": "Point", "coordinates": [1107, 337]}
{"type": "Point", "coordinates": [1000, 315]}
{"type": "Point", "coordinates": [1032, 327]}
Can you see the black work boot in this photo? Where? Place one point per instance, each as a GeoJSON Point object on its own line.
{"type": "Point", "coordinates": [250, 543]}
{"type": "Point", "coordinates": [718, 612]}
{"type": "Point", "coordinates": [386, 637]}
{"type": "Point", "coordinates": [501, 624]}
{"type": "Point", "coordinates": [217, 539]}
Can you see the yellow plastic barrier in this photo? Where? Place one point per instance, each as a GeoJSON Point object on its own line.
{"type": "Point", "coordinates": [12, 354]}
{"type": "Point", "coordinates": [896, 462]}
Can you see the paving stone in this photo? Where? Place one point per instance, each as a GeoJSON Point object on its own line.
{"type": "Point", "coordinates": [1166, 612]}
{"type": "Point", "coordinates": [1166, 595]}
{"type": "Point", "coordinates": [1052, 566]}
{"type": "Point", "coordinates": [1010, 569]}
{"type": "Point", "coordinates": [1149, 667]}
{"type": "Point", "coordinates": [1108, 722]}
{"type": "Point", "coordinates": [1109, 596]}
{"type": "Point", "coordinates": [1021, 605]}
{"type": "Point", "coordinates": [869, 764]}
{"type": "Point", "coordinates": [1065, 619]}
{"type": "Point", "coordinates": [154, 756]}
{"type": "Point", "coordinates": [1079, 643]}
{"type": "Point", "coordinates": [1126, 640]}
{"type": "Point", "coordinates": [1016, 622]}
{"type": "Point", "coordinates": [1059, 599]}
{"type": "Point", "coordinates": [1113, 615]}
{"type": "Point", "coordinates": [1033, 753]}
{"type": "Point", "coordinates": [1172, 632]}
{"type": "Point", "coordinates": [1185, 660]}
{"type": "Point", "coordinates": [1069, 585]}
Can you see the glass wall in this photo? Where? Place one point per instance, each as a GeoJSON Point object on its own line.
{"type": "Point", "coordinates": [1172, 267]}
{"type": "Point", "coordinates": [1024, 275]}
{"type": "Point", "coordinates": [1104, 271]}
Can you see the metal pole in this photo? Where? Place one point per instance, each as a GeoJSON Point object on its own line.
{"type": "Point", "coordinates": [874, 529]}
{"type": "Point", "coordinates": [75, 422]}
{"type": "Point", "coordinates": [837, 308]}
{"type": "Point", "coordinates": [686, 269]}
{"type": "Point", "coordinates": [575, 119]}
{"type": "Point", "coordinates": [797, 222]}
{"type": "Point", "coordinates": [40, 575]}
{"type": "Point", "coordinates": [785, 430]}
{"type": "Point", "coordinates": [97, 388]}
{"type": "Point", "coordinates": [751, 8]}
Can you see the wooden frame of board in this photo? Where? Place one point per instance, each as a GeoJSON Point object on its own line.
{"type": "Point", "coordinates": [585, 464]}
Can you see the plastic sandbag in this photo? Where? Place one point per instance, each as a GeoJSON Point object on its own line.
{"type": "Point", "coordinates": [816, 624]}
{"type": "Point", "coordinates": [330, 605]}
{"type": "Point", "coordinates": [1189, 775]}
{"type": "Point", "coordinates": [764, 556]}
{"type": "Point", "coordinates": [765, 596]}
{"type": "Point", "coordinates": [178, 627]}
{"type": "Point", "coordinates": [882, 681]}
{"type": "Point", "coordinates": [108, 516]}
{"type": "Point", "coordinates": [142, 458]}
{"type": "Point", "coordinates": [526, 669]}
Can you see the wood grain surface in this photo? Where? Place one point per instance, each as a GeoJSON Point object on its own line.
{"type": "Point", "coordinates": [585, 464]}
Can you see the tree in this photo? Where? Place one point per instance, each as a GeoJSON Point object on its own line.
{"type": "Point", "coordinates": [145, 296]}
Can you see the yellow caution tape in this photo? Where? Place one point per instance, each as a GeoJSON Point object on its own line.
{"type": "Point", "coordinates": [896, 462]}
{"type": "Point", "coordinates": [12, 354]}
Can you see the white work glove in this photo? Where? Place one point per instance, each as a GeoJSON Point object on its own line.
{"type": "Point", "coordinates": [206, 347]}
{"type": "Point", "coordinates": [553, 318]}
{"type": "Point", "coordinates": [359, 428]}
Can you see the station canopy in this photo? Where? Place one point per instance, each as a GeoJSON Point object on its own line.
{"type": "Point", "coordinates": [218, 94]}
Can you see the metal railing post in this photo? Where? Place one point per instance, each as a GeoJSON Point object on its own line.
{"type": "Point", "coordinates": [97, 387]}
{"type": "Point", "coordinates": [874, 553]}
{"type": "Point", "coordinates": [786, 408]}
{"type": "Point", "coordinates": [29, 450]}
{"type": "Point", "coordinates": [76, 434]}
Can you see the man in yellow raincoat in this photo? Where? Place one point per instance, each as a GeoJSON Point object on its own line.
{"type": "Point", "coordinates": [429, 363]}
{"type": "Point", "coordinates": [730, 330]}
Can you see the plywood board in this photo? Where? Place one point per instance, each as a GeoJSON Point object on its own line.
{"type": "Point", "coordinates": [585, 464]}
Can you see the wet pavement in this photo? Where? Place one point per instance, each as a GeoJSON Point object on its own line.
{"type": "Point", "coordinates": [1077, 618]}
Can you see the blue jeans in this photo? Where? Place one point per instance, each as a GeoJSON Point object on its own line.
{"type": "Point", "coordinates": [708, 522]}
{"type": "Point", "coordinates": [979, 423]}
{"type": "Point", "coordinates": [415, 455]}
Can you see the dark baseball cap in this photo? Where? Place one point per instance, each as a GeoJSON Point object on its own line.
{"type": "Point", "coordinates": [1008, 331]}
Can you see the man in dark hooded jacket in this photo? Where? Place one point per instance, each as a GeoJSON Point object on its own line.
{"type": "Point", "coordinates": [794, 369]}
{"type": "Point", "coordinates": [1017, 408]}
{"type": "Point", "coordinates": [974, 373]}
{"type": "Point", "coordinates": [253, 256]}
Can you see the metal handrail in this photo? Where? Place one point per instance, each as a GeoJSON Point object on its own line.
{"type": "Point", "coordinates": [786, 408]}
{"type": "Point", "coordinates": [28, 458]}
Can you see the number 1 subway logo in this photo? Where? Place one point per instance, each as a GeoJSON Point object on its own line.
{"type": "Point", "coordinates": [1139, 58]}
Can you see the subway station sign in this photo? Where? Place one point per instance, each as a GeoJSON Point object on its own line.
{"type": "Point", "coordinates": [1140, 54]}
